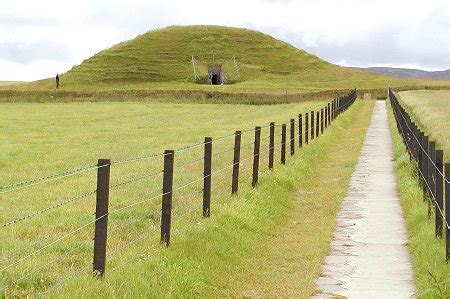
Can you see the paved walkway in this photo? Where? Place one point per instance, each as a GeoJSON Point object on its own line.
{"type": "Point", "coordinates": [369, 256]}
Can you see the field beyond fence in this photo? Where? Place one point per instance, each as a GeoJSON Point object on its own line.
{"type": "Point", "coordinates": [433, 176]}
{"type": "Point", "coordinates": [244, 162]}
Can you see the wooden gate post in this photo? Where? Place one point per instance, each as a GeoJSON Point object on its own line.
{"type": "Point", "coordinates": [101, 216]}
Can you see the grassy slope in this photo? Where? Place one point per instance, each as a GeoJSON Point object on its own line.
{"type": "Point", "coordinates": [270, 241]}
{"type": "Point", "coordinates": [431, 273]}
{"type": "Point", "coordinates": [431, 110]}
{"type": "Point", "coordinates": [160, 60]}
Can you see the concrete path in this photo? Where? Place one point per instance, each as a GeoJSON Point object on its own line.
{"type": "Point", "coordinates": [369, 256]}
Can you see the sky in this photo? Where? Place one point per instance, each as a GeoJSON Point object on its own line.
{"type": "Point", "coordinates": [41, 38]}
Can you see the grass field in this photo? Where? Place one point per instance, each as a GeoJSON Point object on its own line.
{"type": "Point", "coordinates": [290, 217]}
{"type": "Point", "coordinates": [431, 273]}
{"type": "Point", "coordinates": [431, 110]}
{"type": "Point", "coordinates": [42, 139]}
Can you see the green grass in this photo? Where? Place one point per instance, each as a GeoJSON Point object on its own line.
{"type": "Point", "coordinates": [430, 109]}
{"type": "Point", "coordinates": [265, 242]}
{"type": "Point", "coordinates": [79, 133]}
{"type": "Point", "coordinates": [157, 64]}
{"type": "Point", "coordinates": [431, 273]}
{"type": "Point", "coordinates": [35, 145]}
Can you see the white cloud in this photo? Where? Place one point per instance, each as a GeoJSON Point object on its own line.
{"type": "Point", "coordinates": [359, 32]}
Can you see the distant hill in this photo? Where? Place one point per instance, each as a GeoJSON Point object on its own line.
{"type": "Point", "coordinates": [410, 73]}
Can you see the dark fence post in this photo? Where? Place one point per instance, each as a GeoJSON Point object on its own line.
{"type": "Point", "coordinates": [329, 114]}
{"type": "Point", "coordinates": [166, 207]}
{"type": "Point", "coordinates": [292, 136]}
{"type": "Point", "coordinates": [439, 192]}
{"type": "Point", "coordinates": [447, 211]}
{"type": "Point", "coordinates": [300, 131]}
{"type": "Point", "coordinates": [317, 123]}
{"type": "Point", "coordinates": [236, 161]}
{"type": "Point", "coordinates": [283, 144]}
{"type": "Point", "coordinates": [256, 150]}
{"type": "Point", "coordinates": [306, 128]}
{"type": "Point", "coordinates": [326, 116]}
{"type": "Point", "coordinates": [101, 216]}
{"type": "Point", "coordinates": [425, 168]}
{"type": "Point", "coordinates": [430, 177]}
{"type": "Point", "coordinates": [271, 144]}
{"type": "Point", "coordinates": [321, 121]}
{"type": "Point", "coordinates": [207, 177]}
{"type": "Point", "coordinates": [312, 125]}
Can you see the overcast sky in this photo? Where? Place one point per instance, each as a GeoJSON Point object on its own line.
{"type": "Point", "coordinates": [40, 38]}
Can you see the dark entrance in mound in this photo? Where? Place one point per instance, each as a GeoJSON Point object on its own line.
{"type": "Point", "coordinates": [215, 74]}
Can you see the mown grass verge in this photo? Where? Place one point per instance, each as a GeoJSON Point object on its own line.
{"type": "Point", "coordinates": [256, 243]}
{"type": "Point", "coordinates": [431, 273]}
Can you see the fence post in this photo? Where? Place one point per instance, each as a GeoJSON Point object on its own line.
{"type": "Point", "coordinates": [447, 211]}
{"type": "Point", "coordinates": [306, 127]}
{"type": "Point", "coordinates": [283, 144]}
{"type": "Point", "coordinates": [326, 117]}
{"type": "Point", "coordinates": [321, 121]}
{"type": "Point", "coordinates": [101, 216]}
{"type": "Point", "coordinates": [207, 177]}
{"type": "Point", "coordinates": [425, 168]}
{"type": "Point", "coordinates": [236, 160]}
{"type": "Point", "coordinates": [317, 123]}
{"type": "Point", "coordinates": [271, 144]}
{"type": "Point", "coordinates": [329, 114]}
{"type": "Point", "coordinates": [300, 131]}
{"type": "Point", "coordinates": [256, 149]}
{"type": "Point", "coordinates": [439, 192]}
{"type": "Point", "coordinates": [430, 177]}
{"type": "Point", "coordinates": [312, 125]}
{"type": "Point", "coordinates": [166, 206]}
{"type": "Point", "coordinates": [292, 136]}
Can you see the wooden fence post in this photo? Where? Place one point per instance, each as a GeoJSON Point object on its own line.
{"type": "Point", "coordinates": [300, 131]}
{"type": "Point", "coordinates": [236, 161]}
{"type": "Point", "coordinates": [317, 123]}
{"type": "Point", "coordinates": [292, 136]}
{"type": "Point", "coordinates": [425, 168]}
{"type": "Point", "coordinates": [322, 120]}
{"type": "Point", "coordinates": [101, 216]}
{"type": "Point", "coordinates": [312, 125]}
{"type": "Point", "coordinates": [271, 144]}
{"type": "Point", "coordinates": [207, 177]}
{"type": "Point", "coordinates": [430, 177]}
{"type": "Point", "coordinates": [438, 171]}
{"type": "Point", "coordinates": [326, 117]}
{"type": "Point", "coordinates": [447, 211]}
{"type": "Point", "coordinates": [283, 144]}
{"type": "Point", "coordinates": [329, 114]}
{"type": "Point", "coordinates": [166, 206]}
{"type": "Point", "coordinates": [256, 151]}
{"type": "Point", "coordinates": [306, 128]}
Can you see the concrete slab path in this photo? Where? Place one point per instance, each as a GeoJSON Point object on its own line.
{"type": "Point", "coordinates": [369, 256]}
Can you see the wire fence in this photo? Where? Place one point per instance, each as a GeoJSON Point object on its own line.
{"type": "Point", "coordinates": [199, 174]}
{"type": "Point", "coordinates": [430, 168]}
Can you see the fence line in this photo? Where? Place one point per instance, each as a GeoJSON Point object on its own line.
{"type": "Point", "coordinates": [324, 118]}
{"type": "Point", "coordinates": [429, 163]}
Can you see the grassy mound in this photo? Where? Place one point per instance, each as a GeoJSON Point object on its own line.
{"type": "Point", "coordinates": [165, 55]}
